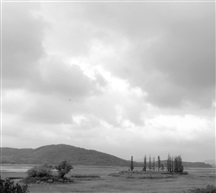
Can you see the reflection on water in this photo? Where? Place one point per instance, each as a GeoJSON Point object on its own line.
{"type": "Point", "coordinates": [15, 168]}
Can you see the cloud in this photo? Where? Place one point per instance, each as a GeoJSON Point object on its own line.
{"type": "Point", "coordinates": [68, 80]}
{"type": "Point", "coordinates": [125, 78]}
{"type": "Point", "coordinates": [185, 58]}
{"type": "Point", "coordinates": [167, 49]}
{"type": "Point", "coordinates": [22, 44]}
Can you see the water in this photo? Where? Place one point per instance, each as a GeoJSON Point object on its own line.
{"type": "Point", "coordinates": [25, 167]}
{"type": "Point", "coordinates": [15, 168]}
{"type": "Point", "coordinates": [202, 172]}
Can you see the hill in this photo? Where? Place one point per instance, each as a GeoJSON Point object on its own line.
{"type": "Point", "coordinates": [190, 164]}
{"type": "Point", "coordinates": [211, 162]}
{"type": "Point", "coordinates": [56, 153]}
{"type": "Point", "coordinates": [197, 164]}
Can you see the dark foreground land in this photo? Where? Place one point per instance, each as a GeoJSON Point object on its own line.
{"type": "Point", "coordinates": [98, 179]}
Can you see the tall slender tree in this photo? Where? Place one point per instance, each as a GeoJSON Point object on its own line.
{"type": "Point", "coordinates": [181, 168]}
{"type": "Point", "coordinates": [153, 164]}
{"type": "Point", "coordinates": [144, 165]}
{"type": "Point", "coordinates": [132, 164]}
{"type": "Point", "coordinates": [172, 165]}
{"type": "Point", "coordinates": [176, 165]}
{"type": "Point", "coordinates": [150, 164]}
{"type": "Point", "coordinates": [169, 163]}
{"type": "Point", "coordinates": [159, 163]}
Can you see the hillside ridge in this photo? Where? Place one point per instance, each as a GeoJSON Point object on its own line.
{"type": "Point", "coordinates": [56, 153]}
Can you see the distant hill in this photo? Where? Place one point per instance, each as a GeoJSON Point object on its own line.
{"type": "Point", "coordinates": [57, 153]}
{"type": "Point", "coordinates": [190, 164]}
{"type": "Point", "coordinates": [211, 162]}
{"type": "Point", "coordinates": [54, 154]}
{"type": "Point", "coordinates": [196, 164]}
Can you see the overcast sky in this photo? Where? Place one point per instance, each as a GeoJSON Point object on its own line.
{"type": "Point", "coordinates": [121, 78]}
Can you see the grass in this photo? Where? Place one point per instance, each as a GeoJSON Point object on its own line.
{"type": "Point", "coordinates": [207, 189]}
{"type": "Point", "coordinates": [107, 183]}
{"type": "Point", "coordinates": [137, 174]}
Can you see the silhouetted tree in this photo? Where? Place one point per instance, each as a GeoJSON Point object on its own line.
{"type": "Point", "coordinates": [8, 186]}
{"type": "Point", "coordinates": [172, 165]}
{"type": "Point", "coordinates": [159, 163]}
{"type": "Point", "coordinates": [132, 164]}
{"type": "Point", "coordinates": [144, 165]}
{"type": "Point", "coordinates": [178, 165]}
{"type": "Point", "coordinates": [150, 164]}
{"type": "Point", "coordinates": [181, 168]}
{"type": "Point", "coordinates": [169, 163]}
{"type": "Point", "coordinates": [153, 164]}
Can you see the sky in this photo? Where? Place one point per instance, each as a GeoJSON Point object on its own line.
{"type": "Point", "coordinates": [124, 78]}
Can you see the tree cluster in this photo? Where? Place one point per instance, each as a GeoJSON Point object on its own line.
{"type": "Point", "coordinates": [152, 164]}
{"type": "Point", "coordinates": [46, 172]}
{"type": "Point", "coordinates": [174, 164]}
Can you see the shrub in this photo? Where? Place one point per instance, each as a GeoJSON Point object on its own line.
{"type": "Point", "coordinates": [40, 171]}
{"type": "Point", "coordinates": [7, 186]}
{"type": "Point", "coordinates": [207, 189]}
{"type": "Point", "coordinates": [63, 168]}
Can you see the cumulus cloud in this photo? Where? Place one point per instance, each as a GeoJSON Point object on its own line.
{"type": "Point", "coordinates": [165, 48]}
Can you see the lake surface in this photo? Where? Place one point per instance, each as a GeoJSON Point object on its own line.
{"type": "Point", "coordinates": [15, 167]}
{"type": "Point", "coordinates": [100, 169]}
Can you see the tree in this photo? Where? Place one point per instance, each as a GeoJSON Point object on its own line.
{"type": "Point", "coordinates": [159, 163]}
{"type": "Point", "coordinates": [162, 167]}
{"type": "Point", "coordinates": [169, 163]}
{"type": "Point", "coordinates": [144, 166]}
{"type": "Point", "coordinates": [132, 165]}
{"type": "Point", "coordinates": [63, 168]}
{"type": "Point", "coordinates": [172, 165]}
{"type": "Point", "coordinates": [178, 165]}
{"type": "Point", "coordinates": [181, 168]}
{"type": "Point", "coordinates": [44, 170]}
{"type": "Point", "coordinates": [153, 164]}
{"type": "Point", "coordinates": [150, 164]}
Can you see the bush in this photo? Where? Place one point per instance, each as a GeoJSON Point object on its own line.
{"type": "Point", "coordinates": [40, 171]}
{"type": "Point", "coordinates": [63, 168]}
{"type": "Point", "coordinates": [7, 186]}
{"type": "Point", "coordinates": [207, 189]}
